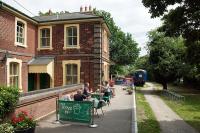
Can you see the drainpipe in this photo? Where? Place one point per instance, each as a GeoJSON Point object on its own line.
{"type": "Point", "coordinates": [101, 56]}
{"type": "Point", "coordinates": [5, 69]}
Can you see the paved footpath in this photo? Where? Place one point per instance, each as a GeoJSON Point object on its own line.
{"type": "Point", "coordinates": [116, 119]}
{"type": "Point", "coordinates": [169, 121]}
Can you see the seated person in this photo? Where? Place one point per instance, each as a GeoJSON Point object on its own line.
{"type": "Point", "coordinates": [66, 98]}
{"type": "Point", "coordinates": [86, 90]}
{"type": "Point", "coordinates": [106, 89]}
{"type": "Point", "coordinates": [79, 96]}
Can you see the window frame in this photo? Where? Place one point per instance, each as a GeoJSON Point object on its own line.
{"type": "Point", "coordinates": [105, 41]}
{"type": "Point", "coordinates": [66, 45]}
{"type": "Point", "coordinates": [39, 38]}
{"type": "Point", "coordinates": [25, 32]}
{"type": "Point", "coordinates": [71, 74]}
{"type": "Point", "coordinates": [12, 75]}
{"type": "Point", "coordinates": [19, 62]}
{"type": "Point", "coordinates": [70, 62]}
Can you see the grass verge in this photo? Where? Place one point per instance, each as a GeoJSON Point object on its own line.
{"type": "Point", "coordinates": [189, 109]}
{"type": "Point", "coordinates": [147, 122]}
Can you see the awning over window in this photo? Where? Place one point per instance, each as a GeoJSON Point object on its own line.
{"type": "Point", "coordinates": [42, 65]}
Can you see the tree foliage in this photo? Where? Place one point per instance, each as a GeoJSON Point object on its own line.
{"type": "Point", "coordinates": [166, 57]}
{"type": "Point", "coordinates": [51, 13]}
{"type": "Point", "coordinates": [143, 63]}
{"type": "Point", "coordinates": [180, 17]}
{"type": "Point", "coordinates": [183, 19]}
{"type": "Point", "coordinates": [123, 48]}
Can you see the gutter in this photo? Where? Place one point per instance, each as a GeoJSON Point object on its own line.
{"type": "Point", "coordinates": [63, 20]}
{"type": "Point", "coordinates": [16, 12]}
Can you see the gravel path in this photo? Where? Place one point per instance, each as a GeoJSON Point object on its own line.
{"type": "Point", "coordinates": [117, 118]}
{"type": "Point", "coordinates": [169, 121]}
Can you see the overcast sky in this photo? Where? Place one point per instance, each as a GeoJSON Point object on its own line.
{"type": "Point", "coordinates": [130, 15]}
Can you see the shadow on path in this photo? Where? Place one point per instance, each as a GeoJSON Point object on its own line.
{"type": "Point", "coordinates": [116, 121]}
{"type": "Point", "coordinates": [168, 126]}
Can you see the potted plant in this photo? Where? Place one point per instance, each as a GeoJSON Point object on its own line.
{"type": "Point", "coordinates": [8, 100]}
{"type": "Point", "coordinates": [130, 90]}
{"type": "Point", "coordinates": [23, 123]}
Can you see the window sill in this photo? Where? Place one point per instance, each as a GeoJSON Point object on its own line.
{"type": "Point", "coordinates": [20, 45]}
{"type": "Point", "coordinates": [44, 49]}
{"type": "Point", "coordinates": [77, 47]}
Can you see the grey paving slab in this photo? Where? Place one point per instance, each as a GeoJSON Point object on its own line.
{"type": "Point", "coordinates": [117, 118]}
{"type": "Point", "coordinates": [169, 121]}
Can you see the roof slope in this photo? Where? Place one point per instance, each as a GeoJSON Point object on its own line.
{"type": "Point", "coordinates": [41, 61]}
{"type": "Point", "coordinates": [66, 16]}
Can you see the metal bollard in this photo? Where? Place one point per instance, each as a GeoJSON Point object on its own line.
{"type": "Point", "coordinates": [57, 108]}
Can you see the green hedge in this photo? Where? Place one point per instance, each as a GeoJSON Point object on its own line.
{"type": "Point", "coordinates": [9, 97]}
{"type": "Point", "coordinates": [6, 128]}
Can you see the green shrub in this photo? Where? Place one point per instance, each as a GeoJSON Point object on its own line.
{"type": "Point", "coordinates": [9, 97]}
{"type": "Point", "coordinates": [129, 88]}
{"type": "Point", "coordinates": [6, 128]}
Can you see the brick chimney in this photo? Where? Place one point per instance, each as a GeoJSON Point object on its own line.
{"type": "Point", "coordinates": [81, 9]}
{"type": "Point", "coordinates": [90, 8]}
{"type": "Point", "coordinates": [86, 8]}
{"type": "Point", "coordinates": [50, 12]}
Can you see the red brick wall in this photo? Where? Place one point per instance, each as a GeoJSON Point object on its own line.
{"type": "Point", "coordinates": [86, 47]}
{"type": "Point", "coordinates": [7, 40]}
{"type": "Point", "coordinates": [24, 71]}
{"type": "Point", "coordinates": [2, 70]}
{"type": "Point", "coordinates": [86, 40]}
{"type": "Point", "coordinates": [86, 70]}
{"type": "Point", "coordinates": [7, 34]}
{"type": "Point", "coordinates": [39, 109]}
{"type": "Point", "coordinates": [41, 106]}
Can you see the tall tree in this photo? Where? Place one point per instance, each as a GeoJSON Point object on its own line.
{"type": "Point", "coordinates": [181, 18]}
{"type": "Point", "coordinates": [123, 48]}
{"type": "Point", "coordinates": [166, 57]}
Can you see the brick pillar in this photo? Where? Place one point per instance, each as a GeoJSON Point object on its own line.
{"type": "Point", "coordinates": [97, 51]}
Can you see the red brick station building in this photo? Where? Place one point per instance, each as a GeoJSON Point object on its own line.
{"type": "Point", "coordinates": [53, 51]}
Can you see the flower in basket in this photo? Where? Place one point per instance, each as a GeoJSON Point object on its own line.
{"type": "Point", "coordinates": [23, 121]}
